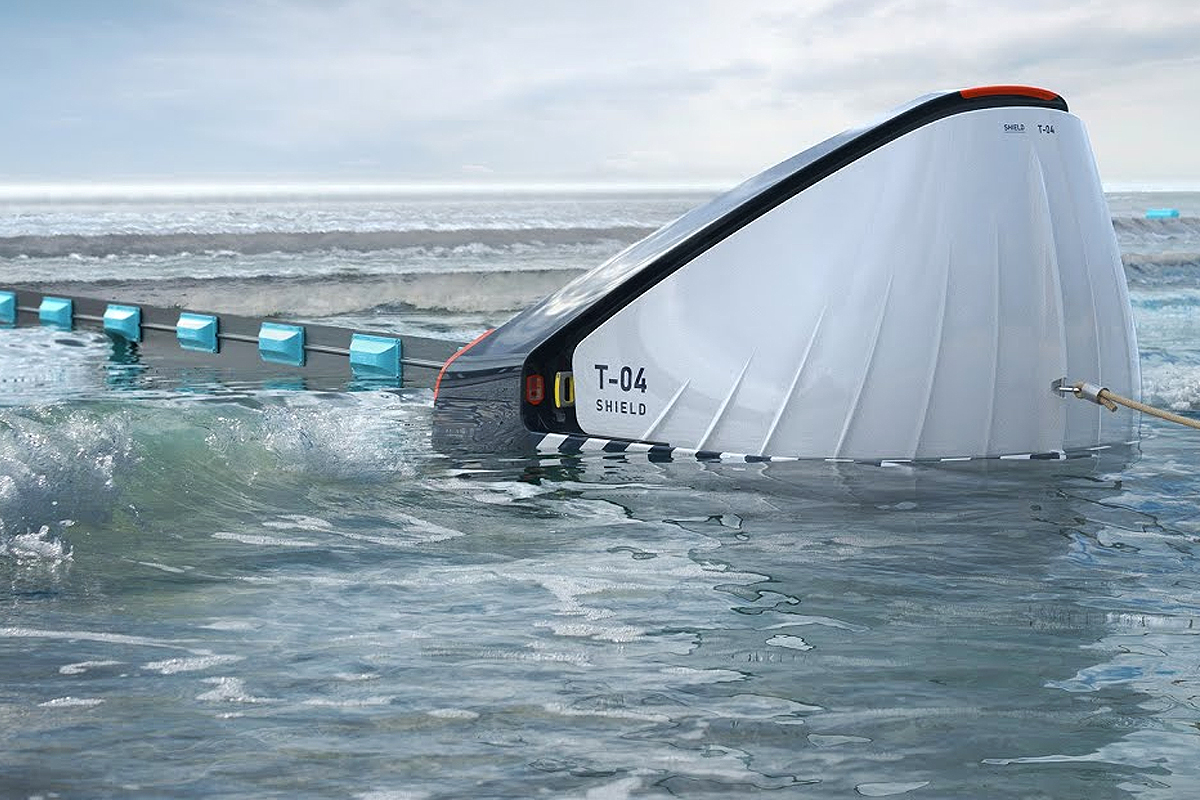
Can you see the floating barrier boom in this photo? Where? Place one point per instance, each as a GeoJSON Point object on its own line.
{"type": "Point", "coordinates": [322, 354]}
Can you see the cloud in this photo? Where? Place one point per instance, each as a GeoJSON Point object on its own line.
{"type": "Point", "coordinates": [671, 90]}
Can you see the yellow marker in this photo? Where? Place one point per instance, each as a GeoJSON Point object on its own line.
{"type": "Point", "coordinates": [564, 389]}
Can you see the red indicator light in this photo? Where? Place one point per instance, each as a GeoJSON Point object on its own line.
{"type": "Point", "coordinates": [1022, 91]}
{"type": "Point", "coordinates": [535, 389]}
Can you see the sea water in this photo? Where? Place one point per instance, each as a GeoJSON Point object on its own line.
{"type": "Point", "coordinates": [262, 592]}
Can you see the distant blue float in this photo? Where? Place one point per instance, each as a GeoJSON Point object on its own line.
{"type": "Point", "coordinates": [1162, 213]}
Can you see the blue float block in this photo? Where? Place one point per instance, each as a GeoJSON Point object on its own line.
{"type": "Point", "coordinates": [57, 311]}
{"type": "Point", "coordinates": [1162, 213]}
{"type": "Point", "coordinates": [282, 344]}
{"type": "Point", "coordinates": [124, 321]}
{"type": "Point", "coordinates": [377, 356]}
{"type": "Point", "coordinates": [197, 332]}
{"type": "Point", "coordinates": [8, 308]}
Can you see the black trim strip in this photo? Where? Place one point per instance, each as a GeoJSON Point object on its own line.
{"type": "Point", "coordinates": [572, 445]}
{"type": "Point", "coordinates": [814, 165]}
{"type": "Point", "coordinates": [660, 453]}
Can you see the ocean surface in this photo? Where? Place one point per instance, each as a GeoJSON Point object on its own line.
{"type": "Point", "coordinates": [275, 593]}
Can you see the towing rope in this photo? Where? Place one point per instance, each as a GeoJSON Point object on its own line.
{"type": "Point", "coordinates": [1110, 400]}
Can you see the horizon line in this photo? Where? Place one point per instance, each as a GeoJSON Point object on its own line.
{"type": "Point", "coordinates": [154, 189]}
{"type": "Point", "coordinates": [217, 189]}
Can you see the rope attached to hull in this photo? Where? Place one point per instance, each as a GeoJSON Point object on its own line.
{"type": "Point", "coordinates": [1110, 400]}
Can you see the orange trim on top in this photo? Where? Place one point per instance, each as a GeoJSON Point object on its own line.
{"type": "Point", "coordinates": [450, 360]}
{"type": "Point", "coordinates": [1025, 91]}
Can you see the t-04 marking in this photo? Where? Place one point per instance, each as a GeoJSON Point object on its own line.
{"type": "Point", "coordinates": [625, 378]}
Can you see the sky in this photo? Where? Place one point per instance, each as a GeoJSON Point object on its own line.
{"type": "Point", "coordinates": [667, 92]}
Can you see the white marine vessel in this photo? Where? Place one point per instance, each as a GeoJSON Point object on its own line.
{"type": "Point", "coordinates": [914, 289]}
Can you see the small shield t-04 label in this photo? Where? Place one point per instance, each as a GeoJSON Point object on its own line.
{"type": "Point", "coordinates": [621, 377]}
{"type": "Point", "coordinates": [621, 386]}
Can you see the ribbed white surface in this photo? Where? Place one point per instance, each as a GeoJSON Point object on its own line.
{"type": "Point", "coordinates": [916, 304]}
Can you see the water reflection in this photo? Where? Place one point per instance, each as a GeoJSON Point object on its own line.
{"type": "Point", "coordinates": [931, 629]}
{"type": "Point", "coordinates": [300, 571]}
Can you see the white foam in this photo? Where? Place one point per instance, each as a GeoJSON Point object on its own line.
{"type": "Point", "coordinates": [72, 702]}
{"type": "Point", "coordinates": [453, 713]}
{"type": "Point", "coordinates": [499, 492]}
{"type": "Point", "coordinates": [689, 675]}
{"type": "Point", "coordinates": [1172, 386]}
{"type": "Point", "coordinates": [537, 651]}
{"type": "Point", "coordinates": [174, 665]}
{"type": "Point", "coordinates": [265, 541]}
{"type": "Point", "coordinates": [799, 620]}
{"type": "Point", "coordinates": [755, 706]}
{"type": "Point", "coordinates": [621, 789]}
{"type": "Point", "coordinates": [354, 677]}
{"type": "Point", "coordinates": [589, 630]}
{"type": "Point", "coordinates": [888, 789]}
{"type": "Point", "coordinates": [41, 547]}
{"type": "Point", "coordinates": [228, 690]}
{"type": "Point", "coordinates": [392, 794]}
{"type": "Point", "coordinates": [83, 666]}
{"type": "Point", "coordinates": [1050, 759]}
{"type": "Point", "coordinates": [230, 625]}
{"type": "Point", "coordinates": [426, 530]}
{"type": "Point", "coordinates": [357, 702]}
{"type": "Point", "coordinates": [162, 567]}
{"type": "Point", "coordinates": [789, 642]}
{"type": "Point", "coordinates": [358, 436]}
{"type": "Point", "coordinates": [608, 713]}
{"type": "Point", "coordinates": [835, 740]}
{"type": "Point", "coordinates": [88, 636]}
{"type": "Point", "coordinates": [59, 460]}
{"type": "Point", "coordinates": [299, 522]}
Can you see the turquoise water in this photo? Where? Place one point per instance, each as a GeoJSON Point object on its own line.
{"type": "Point", "coordinates": [266, 593]}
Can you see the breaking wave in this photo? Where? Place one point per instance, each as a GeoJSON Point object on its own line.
{"type": "Point", "coordinates": [1131, 231]}
{"type": "Point", "coordinates": [1188, 226]}
{"type": "Point", "coordinates": [486, 291]}
{"type": "Point", "coordinates": [1162, 269]}
{"type": "Point", "coordinates": [259, 242]}
{"type": "Point", "coordinates": [56, 466]}
{"type": "Point", "coordinates": [1170, 384]}
{"type": "Point", "coordinates": [1159, 251]}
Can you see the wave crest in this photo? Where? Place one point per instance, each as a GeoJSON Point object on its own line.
{"type": "Point", "coordinates": [485, 291]}
{"type": "Point", "coordinates": [258, 242]}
